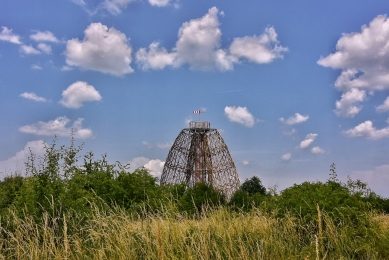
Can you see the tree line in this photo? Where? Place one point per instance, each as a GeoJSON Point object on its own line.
{"type": "Point", "coordinates": [62, 180]}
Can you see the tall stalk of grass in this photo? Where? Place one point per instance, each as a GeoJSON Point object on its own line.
{"type": "Point", "coordinates": [114, 233]}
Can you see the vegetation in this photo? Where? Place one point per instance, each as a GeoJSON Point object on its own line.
{"type": "Point", "coordinates": [77, 207]}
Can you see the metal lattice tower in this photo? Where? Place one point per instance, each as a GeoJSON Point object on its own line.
{"type": "Point", "coordinates": [199, 154]}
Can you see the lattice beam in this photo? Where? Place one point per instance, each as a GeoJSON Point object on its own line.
{"type": "Point", "coordinates": [199, 154]}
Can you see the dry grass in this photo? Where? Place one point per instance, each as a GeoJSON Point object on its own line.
{"type": "Point", "coordinates": [217, 234]}
{"type": "Point", "coordinates": [383, 220]}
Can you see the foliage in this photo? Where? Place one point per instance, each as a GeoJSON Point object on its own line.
{"type": "Point", "coordinates": [195, 198]}
{"type": "Point", "coordinates": [253, 186]}
{"type": "Point", "coordinates": [76, 203]}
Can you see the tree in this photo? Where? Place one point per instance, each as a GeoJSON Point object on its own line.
{"type": "Point", "coordinates": [253, 186]}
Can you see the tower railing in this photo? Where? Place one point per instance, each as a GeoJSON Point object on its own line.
{"type": "Point", "coordinates": [199, 124]}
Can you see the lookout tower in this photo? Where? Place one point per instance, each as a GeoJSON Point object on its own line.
{"type": "Point", "coordinates": [199, 154]}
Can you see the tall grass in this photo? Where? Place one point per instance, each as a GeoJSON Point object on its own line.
{"type": "Point", "coordinates": [213, 234]}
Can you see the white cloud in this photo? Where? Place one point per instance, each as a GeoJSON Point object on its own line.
{"type": "Point", "coordinates": [44, 48]}
{"type": "Point", "coordinates": [246, 162]}
{"type": "Point", "coordinates": [164, 145]}
{"type": "Point", "coordinates": [362, 57]}
{"type": "Point", "coordinates": [198, 44]}
{"type": "Point", "coordinates": [36, 67]}
{"type": "Point", "coordinates": [384, 107]}
{"type": "Point", "coordinates": [296, 119]}
{"type": "Point", "coordinates": [33, 96]}
{"type": "Point", "coordinates": [291, 132]}
{"type": "Point", "coordinates": [307, 141]}
{"type": "Point", "coordinates": [155, 58]}
{"type": "Point", "coordinates": [66, 68]}
{"type": "Point", "coordinates": [115, 6]}
{"type": "Point", "coordinates": [28, 49]}
{"type": "Point", "coordinates": [102, 49]}
{"type": "Point", "coordinates": [155, 166]}
{"type": "Point", "coordinates": [286, 157]}
{"type": "Point", "coordinates": [199, 47]}
{"type": "Point", "coordinates": [159, 3]}
{"type": "Point", "coordinates": [78, 93]}
{"type": "Point", "coordinates": [317, 150]}
{"type": "Point", "coordinates": [138, 162]}
{"type": "Point", "coordinates": [259, 49]}
{"type": "Point", "coordinates": [7, 35]}
{"type": "Point", "coordinates": [79, 2]}
{"type": "Point", "coordinates": [44, 37]}
{"type": "Point", "coordinates": [377, 179]}
{"type": "Point", "coordinates": [348, 106]}
{"type": "Point", "coordinates": [239, 115]}
{"type": "Point", "coordinates": [15, 164]}
{"type": "Point", "coordinates": [149, 146]}
{"type": "Point", "coordinates": [58, 127]}
{"type": "Point", "coordinates": [367, 130]}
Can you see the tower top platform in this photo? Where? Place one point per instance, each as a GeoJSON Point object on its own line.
{"type": "Point", "coordinates": [199, 125]}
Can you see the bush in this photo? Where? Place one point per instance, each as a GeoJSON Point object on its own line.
{"type": "Point", "coordinates": [198, 196]}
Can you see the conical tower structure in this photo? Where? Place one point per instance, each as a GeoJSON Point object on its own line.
{"type": "Point", "coordinates": [199, 154]}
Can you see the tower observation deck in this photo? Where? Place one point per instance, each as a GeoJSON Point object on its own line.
{"type": "Point", "coordinates": [199, 154]}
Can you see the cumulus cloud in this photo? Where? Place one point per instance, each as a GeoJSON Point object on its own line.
{"type": "Point", "coordinates": [58, 127]}
{"type": "Point", "coordinates": [384, 107]}
{"type": "Point", "coordinates": [377, 178]}
{"type": "Point", "coordinates": [199, 47]}
{"type": "Point", "coordinates": [308, 141]}
{"type": "Point", "coordinates": [155, 58]}
{"type": "Point", "coordinates": [44, 48]}
{"type": "Point", "coordinates": [239, 115]}
{"type": "Point", "coordinates": [296, 119]}
{"type": "Point", "coordinates": [348, 105]}
{"type": "Point", "coordinates": [363, 58]}
{"type": "Point", "coordinates": [44, 37]}
{"type": "Point", "coordinates": [28, 49]}
{"type": "Point", "coordinates": [138, 162]}
{"type": "Point", "coordinates": [78, 93]}
{"type": "Point", "coordinates": [366, 129]}
{"type": "Point", "coordinates": [33, 96]}
{"type": "Point", "coordinates": [8, 36]}
{"type": "Point", "coordinates": [102, 49]}
{"type": "Point", "coordinates": [15, 164]}
{"type": "Point", "coordinates": [159, 3]}
{"type": "Point", "coordinates": [286, 157]}
{"type": "Point", "coordinates": [155, 166]}
{"type": "Point", "coordinates": [259, 49]}
{"type": "Point", "coordinates": [198, 44]}
{"type": "Point", "coordinates": [246, 162]}
{"type": "Point", "coordinates": [317, 150]}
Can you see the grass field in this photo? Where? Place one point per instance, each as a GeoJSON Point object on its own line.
{"type": "Point", "coordinates": [213, 234]}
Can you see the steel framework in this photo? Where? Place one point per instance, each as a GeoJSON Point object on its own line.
{"type": "Point", "coordinates": [199, 154]}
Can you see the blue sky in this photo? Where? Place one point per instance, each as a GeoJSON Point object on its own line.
{"type": "Point", "coordinates": [293, 86]}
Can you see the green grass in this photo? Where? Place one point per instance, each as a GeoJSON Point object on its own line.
{"type": "Point", "coordinates": [212, 234]}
